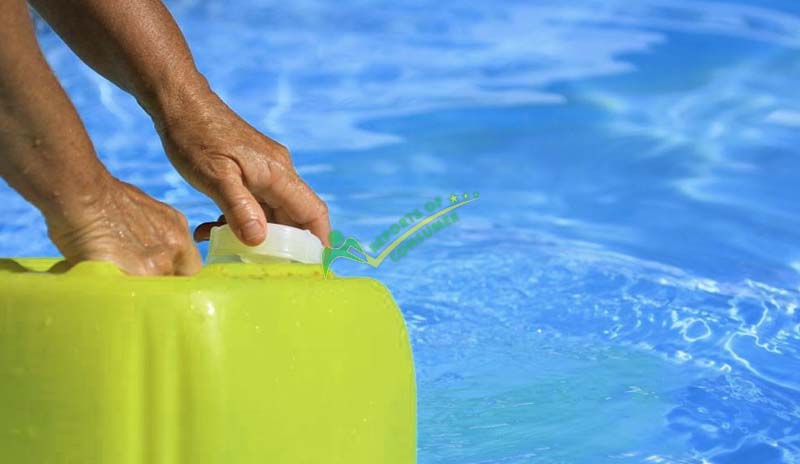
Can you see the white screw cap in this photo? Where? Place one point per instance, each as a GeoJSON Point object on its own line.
{"type": "Point", "coordinates": [283, 244]}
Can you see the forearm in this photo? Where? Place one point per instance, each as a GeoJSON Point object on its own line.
{"type": "Point", "coordinates": [45, 153]}
{"type": "Point", "coordinates": [134, 43]}
{"type": "Point", "coordinates": [137, 44]}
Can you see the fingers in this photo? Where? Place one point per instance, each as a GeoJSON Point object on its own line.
{"type": "Point", "coordinates": [285, 191]}
{"type": "Point", "coordinates": [188, 261]}
{"type": "Point", "coordinates": [186, 258]}
{"type": "Point", "coordinates": [174, 255]}
{"type": "Point", "coordinates": [164, 260]}
{"type": "Point", "coordinates": [242, 211]}
{"type": "Point", "coordinates": [277, 216]}
{"type": "Point", "coordinates": [160, 262]}
{"type": "Point", "coordinates": [139, 235]}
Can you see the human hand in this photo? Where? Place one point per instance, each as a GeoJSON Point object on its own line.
{"type": "Point", "coordinates": [122, 225]}
{"type": "Point", "coordinates": [249, 176]}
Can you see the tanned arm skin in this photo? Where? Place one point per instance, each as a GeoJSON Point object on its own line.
{"type": "Point", "coordinates": [46, 155]}
{"type": "Point", "coordinates": [137, 45]}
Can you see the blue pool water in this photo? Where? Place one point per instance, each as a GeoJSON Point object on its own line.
{"type": "Point", "coordinates": [626, 288]}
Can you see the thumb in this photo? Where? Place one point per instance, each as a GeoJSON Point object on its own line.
{"type": "Point", "coordinates": [242, 211]}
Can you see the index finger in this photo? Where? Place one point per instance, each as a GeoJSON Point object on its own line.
{"type": "Point", "coordinates": [284, 189]}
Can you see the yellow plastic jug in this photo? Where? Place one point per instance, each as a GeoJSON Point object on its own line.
{"type": "Point", "coordinates": [239, 364]}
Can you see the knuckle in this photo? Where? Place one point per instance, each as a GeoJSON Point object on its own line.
{"type": "Point", "coordinates": [281, 154]}
{"type": "Point", "coordinates": [158, 263]}
{"type": "Point", "coordinates": [181, 220]}
{"type": "Point", "coordinates": [166, 210]}
{"type": "Point", "coordinates": [322, 208]}
{"type": "Point", "coordinates": [215, 171]}
{"type": "Point", "coordinates": [280, 177]}
{"type": "Point", "coordinates": [275, 166]}
{"type": "Point", "coordinates": [145, 266]}
{"type": "Point", "coordinates": [135, 269]}
{"type": "Point", "coordinates": [283, 151]}
{"type": "Point", "coordinates": [176, 240]}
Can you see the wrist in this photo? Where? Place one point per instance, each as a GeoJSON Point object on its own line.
{"type": "Point", "coordinates": [58, 173]}
{"type": "Point", "coordinates": [80, 202]}
{"type": "Point", "coordinates": [173, 99]}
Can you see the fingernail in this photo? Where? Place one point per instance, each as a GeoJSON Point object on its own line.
{"type": "Point", "coordinates": [252, 232]}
